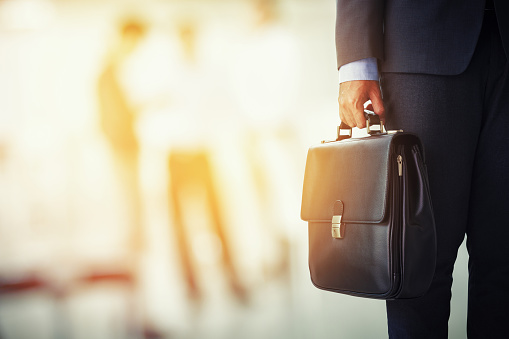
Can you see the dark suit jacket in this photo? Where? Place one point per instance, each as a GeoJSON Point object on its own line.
{"type": "Point", "coordinates": [414, 36]}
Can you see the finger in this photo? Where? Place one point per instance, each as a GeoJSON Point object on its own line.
{"type": "Point", "coordinates": [360, 119]}
{"type": "Point", "coordinates": [350, 120]}
{"type": "Point", "coordinates": [378, 105]}
{"type": "Point", "coordinates": [345, 114]}
{"type": "Point", "coordinates": [342, 118]}
{"type": "Point", "coordinates": [347, 119]}
{"type": "Point", "coordinates": [345, 104]}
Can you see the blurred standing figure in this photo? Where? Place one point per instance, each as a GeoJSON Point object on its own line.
{"type": "Point", "coordinates": [191, 189]}
{"type": "Point", "coordinates": [118, 124]}
{"type": "Point", "coordinates": [264, 78]}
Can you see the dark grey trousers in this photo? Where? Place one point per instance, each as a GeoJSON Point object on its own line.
{"type": "Point", "coordinates": [463, 121]}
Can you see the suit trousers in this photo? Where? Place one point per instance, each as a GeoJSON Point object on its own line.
{"type": "Point", "coordinates": [463, 121]}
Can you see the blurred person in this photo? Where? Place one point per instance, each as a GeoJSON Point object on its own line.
{"type": "Point", "coordinates": [264, 73]}
{"type": "Point", "coordinates": [192, 184]}
{"type": "Point", "coordinates": [117, 117]}
{"type": "Point", "coordinates": [264, 79]}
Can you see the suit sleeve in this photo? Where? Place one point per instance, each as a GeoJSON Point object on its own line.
{"type": "Point", "coordinates": [359, 30]}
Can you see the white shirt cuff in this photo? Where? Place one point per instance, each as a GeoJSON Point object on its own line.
{"type": "Point", "coordinates": [364, 69]}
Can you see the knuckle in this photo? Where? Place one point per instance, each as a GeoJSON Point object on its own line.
{"type": "Point", "coordinates": [351, 101]}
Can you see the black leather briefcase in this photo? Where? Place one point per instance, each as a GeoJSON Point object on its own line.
{"type": "Point", "coordinates": [369, 214]}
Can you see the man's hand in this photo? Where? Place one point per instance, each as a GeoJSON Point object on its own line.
{"type": "Point", "coordinates": [353, 95]}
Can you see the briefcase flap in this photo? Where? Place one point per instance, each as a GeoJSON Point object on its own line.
{"type": "Point", "coordinates": [355, 171]}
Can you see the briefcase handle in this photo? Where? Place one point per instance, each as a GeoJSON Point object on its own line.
{"type": "Point", "coordinates": [371, 119]}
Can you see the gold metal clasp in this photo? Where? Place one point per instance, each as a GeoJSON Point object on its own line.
{"type": "Point", "coordinates": [371, 131]}
{"type": "Point", "coordinates": [338, 228]}
{"type": "Point", "coordinates": [341, 128]}
{"type": "Point", "coordinates": [373, 119]}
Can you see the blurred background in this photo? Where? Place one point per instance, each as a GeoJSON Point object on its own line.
{"type": "Point", "coordinates": [151, 163]}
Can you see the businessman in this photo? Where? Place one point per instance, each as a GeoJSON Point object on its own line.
{"type": "Point", "coordinates": [440, 69]}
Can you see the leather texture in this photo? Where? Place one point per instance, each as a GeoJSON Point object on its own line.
{"type": "Point", "coordinates": [389, 245]}
{"type": "Point", "coordinates": [327, 167]}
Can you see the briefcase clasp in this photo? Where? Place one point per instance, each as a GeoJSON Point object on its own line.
{"type": "Point", "coordinates": [376, 131]}
{"type": "Point", "coordinates": [338, 228]}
